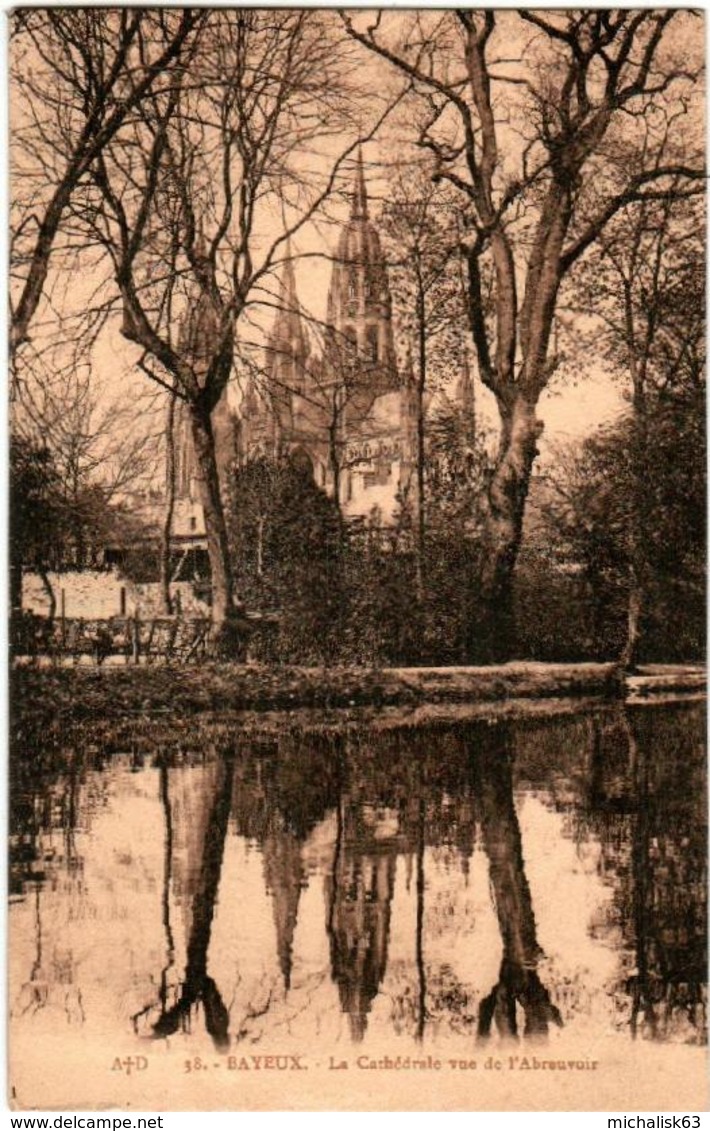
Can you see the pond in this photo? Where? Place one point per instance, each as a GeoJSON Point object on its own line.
{"type": "Point", "coordinates": [299, 883]}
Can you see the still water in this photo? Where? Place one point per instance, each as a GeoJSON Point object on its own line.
{"type": "Point", "coordinates": [225, 886]}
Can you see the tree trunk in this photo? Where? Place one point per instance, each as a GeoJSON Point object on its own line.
{"type": "Point", "coordinates": [421, 517]}
{"type": "Point", "coordinates": [335, 469]}
{"type": "Point", "coordinates": [229, 623]}
{"type": "Point", "coordinates": [634, 608]}
{"type": "Point", "coordinates": [638, 568]}
{"type": "Point", "coordinates": [491, 633]}
{"type": "Point", "coordinates": [169, 507]}
{"type": "Point", "coordinates": [44, 576]}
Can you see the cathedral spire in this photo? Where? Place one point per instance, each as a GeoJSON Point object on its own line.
{"type": "Point", "coordinates": [287, 326]}
{"type": "Point", "coordinates": [359, 205]}
{"type": "Point", "coordinates": [288, 297]}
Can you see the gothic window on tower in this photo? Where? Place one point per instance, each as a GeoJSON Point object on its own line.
{"type": "Point", "coordinates": [352, 291]}
{"type": "Point", "coordinates": [372, 344]}
{"type": "Point", "coordinates": [350, 336]}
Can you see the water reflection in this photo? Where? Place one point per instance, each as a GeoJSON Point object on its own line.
{"type": "Point", "coordinates": [498, 880]}
{"type": "Point", "coordinates": [207, 830]}
{"type": "Point", "coordinates": [519, 983]}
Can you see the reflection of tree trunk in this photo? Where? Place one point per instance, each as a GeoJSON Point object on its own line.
{"type": "Point", "coordinates": [71, 818]}
{"type": "Point", "coordinates": [640, 983]}
{"type": "Point", "coordinates": [337, 850]}
{"type": "Point", "coordinates": [518, 983]}
{"type": "Point", "coordinates": [665, 893]}
{"type": "Point", "coordinates": [197, 985]}
{"type": "Point", "coordinates": [421, 968]}
{"type": "Point", "coordinates": [164, 793]}
{"type": "Point", "coordinates": [167, 879]}
{"type": "Point", "coordinates": [421, 502]}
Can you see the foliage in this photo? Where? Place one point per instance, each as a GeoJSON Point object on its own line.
{"type": "Point", "coordinates": [458, 466]}
{"type": "Point", "coordinates": [285, 534]}
{"type": "Point", "coordinates": [587, 518]}
{"type": "Point", "coordinates": [420, 226]}
{"type": "Point", "coordinates": [526, 115]}
{"type": "Point", "coordinates": [36, 515]}
{"type": "Point", "coordinates": [52, 529]}
{"type": "Point", "coordinates": [346, 592]}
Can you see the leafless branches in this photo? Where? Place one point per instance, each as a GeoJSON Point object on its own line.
{"type": "Point", "coordinates": [524, 142]}
{"type": "Point", "coordinates": [78, 76]}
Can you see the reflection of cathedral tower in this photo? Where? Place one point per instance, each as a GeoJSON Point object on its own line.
{"type": "Point", "coordinates": [359, 896]}
{"type": "Point", "coordinates": [283, 872]}
{"type": "Point", "coordinates": [277, 804]}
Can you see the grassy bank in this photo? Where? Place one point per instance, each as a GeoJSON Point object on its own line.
{"type": "Point", "coordinates": [83, 692]}
{"type": "Point", "coordinates": [127, 708]}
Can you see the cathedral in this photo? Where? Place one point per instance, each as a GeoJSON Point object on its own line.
{"type": "Point", "coordinates": [345, 408]}
{"type": "Point", "coordinates": [342, 407]}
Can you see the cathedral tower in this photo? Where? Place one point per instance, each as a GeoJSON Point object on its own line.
{"type": "Point", "coordinates": [346, 409]}
{"type": "Point", "coordinates": [287, 347]}
{"type": "Point", "coordinates": [359, 302]}
{"type": "Point", "coordinates": [272, 404]}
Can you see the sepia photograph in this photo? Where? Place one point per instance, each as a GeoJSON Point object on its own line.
{"type": "Point", "coordinates": [357, 560]}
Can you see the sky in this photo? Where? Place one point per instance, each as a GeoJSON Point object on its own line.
{"type": "Point", "coordinates": [568, 410]}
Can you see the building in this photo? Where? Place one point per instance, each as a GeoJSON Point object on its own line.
{"type": "Point", "coordinates": [344, 407]}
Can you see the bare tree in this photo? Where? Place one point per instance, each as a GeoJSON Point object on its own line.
{"type": "Point", "coordinates": [420, 227]}
{"type": "Point", "coordinates": [101, 447]}
{"type": "Point", "coordinates": [187, 208]}
{"type": "Point", "coordinates": [78, 74]}
{"type": "Point", "coordinates": [531, 171]}
{"type": "Point", "coordinates": [646, 259]}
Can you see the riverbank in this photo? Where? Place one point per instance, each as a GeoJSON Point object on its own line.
{"type": "Point", "coordinates": [74, 694]}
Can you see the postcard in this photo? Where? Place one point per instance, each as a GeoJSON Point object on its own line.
{"type": "Point", "coordinates": [357, 560]}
